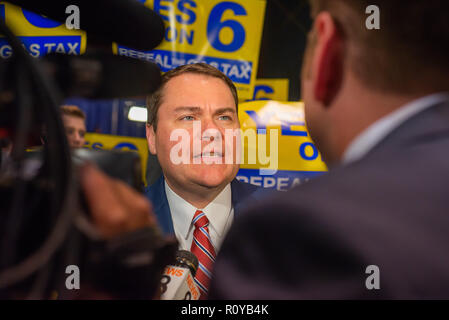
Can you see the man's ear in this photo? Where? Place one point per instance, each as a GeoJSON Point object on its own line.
{"type": "Point", "coordinates": [328, 59]}
{"type": "Point", "coordinates": [151, 139]}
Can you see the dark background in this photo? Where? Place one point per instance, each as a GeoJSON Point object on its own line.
{"type": "Point", "coordinates": [283, 41]}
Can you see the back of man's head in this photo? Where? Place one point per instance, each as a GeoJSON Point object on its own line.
{"type": "Point", "coordinates": [407, 55]}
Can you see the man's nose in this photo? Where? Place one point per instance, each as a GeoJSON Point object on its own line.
{"type": "Point", "coordinates": [209, 129]}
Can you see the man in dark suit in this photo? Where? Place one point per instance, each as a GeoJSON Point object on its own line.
{"type": "Point", "coordinates": [197, 198]}
{"type": "Point", "coordinates": [377, 225]}
{"type": "Point", "coordinates": [240, 194]}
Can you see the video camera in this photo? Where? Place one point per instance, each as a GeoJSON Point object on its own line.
{"type": "Point", "coordinates": [44, 219]}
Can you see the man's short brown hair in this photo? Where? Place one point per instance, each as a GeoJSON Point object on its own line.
{"type": "Point", "coordinates": [409, 54]}
{"type": "Point", "coordinates": [154, 101]}
{"type": "Point", "coordinates": [74, 111]}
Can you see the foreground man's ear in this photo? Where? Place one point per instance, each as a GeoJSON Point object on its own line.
{"type": "Point", "coordinates": [327, 60]}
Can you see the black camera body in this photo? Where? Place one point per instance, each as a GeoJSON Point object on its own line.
{"type": "Point", "coordinates": [108, 269]}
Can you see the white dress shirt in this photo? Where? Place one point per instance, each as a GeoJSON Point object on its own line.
{"type": "Point", "coordinates": [219, 212]}
{"type": "Point", "coordinates": [378, 131]}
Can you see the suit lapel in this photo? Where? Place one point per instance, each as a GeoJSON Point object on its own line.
{"type": "Point", "coordinates": [241, 192]}
{"type": "Point", "coordinates": [156, 193]}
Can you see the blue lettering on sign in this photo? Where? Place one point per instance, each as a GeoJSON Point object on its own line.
{"type": "Point", "coordinates": [283, 180]}
{"type": "Point", "coordinates": [302, 151]}
{"type": "Point", "coordinates": [264, 88]}
{"type": "Point", "coordinates": [172, 34]}
{"type": "Point", "coordinates": [236, 70]}
{"type": "Point", "coordinates": [125, 145]}
{"type": "Point", "coordinates": [158, 8]}
{"type": "Point", "coordinates": [39, 21]}
{"type": "Point", "coordinates": [39, 46]}
{"type": "Point", "coordinates": [287, 131]}
{"type": "Point", "coordinates": [97, 145]}
{"type": "Point", "coordinates": [215, 25]}
{"type": "Point", "coordinates": [182, 8]}
{"type": "Point", "coordinates": [261, 124]}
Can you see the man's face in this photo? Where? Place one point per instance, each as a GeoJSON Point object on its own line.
{"type": "Point", "coordinates": [191, 100]}
{"type": "Point", "coordinates": [75, 129]}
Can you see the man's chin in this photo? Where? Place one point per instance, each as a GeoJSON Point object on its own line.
{"type": "Point", "coordinates": [212, 178]}
{"type": "Point", "coordinates": [210, 183]}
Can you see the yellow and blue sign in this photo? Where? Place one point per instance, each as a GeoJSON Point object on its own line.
{"type": "Point", "coordinates": [297, 160]}
{"type": "Point", "coordinates": [225, 34]}
{"type": "Point", "coordinates": [40, 35]}
{"type": "Point", "coordinates": [112, 142]}
{"type": "Point", "coordinates": [271, 89]}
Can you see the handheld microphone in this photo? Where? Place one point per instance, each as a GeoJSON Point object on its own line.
{"type": "Point", "coordinates": [177, 282]}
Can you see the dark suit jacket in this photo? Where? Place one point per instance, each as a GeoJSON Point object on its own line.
{"type": "Point", "coordinates": [241, 194]}
{"type": "Point", "coordinates": [389, 209]}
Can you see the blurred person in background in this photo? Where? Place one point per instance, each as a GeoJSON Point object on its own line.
{"type": "Point", "coordinates": [75, 125]}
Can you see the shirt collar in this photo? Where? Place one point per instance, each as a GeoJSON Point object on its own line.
{"type": "Point", "coordinates": [217, 211]}
{"type": "Point", "coordinates": [380, 129]}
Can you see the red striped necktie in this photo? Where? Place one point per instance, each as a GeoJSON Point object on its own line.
{"type": "Point", "coordinates": [202, 248]}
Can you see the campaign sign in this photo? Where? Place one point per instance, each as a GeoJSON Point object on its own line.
{"type": "Point", "coordinates": [277, 151]}
{"type": "Point", "coordinates": [39, 35]}
{"type": "Point", "coordinates": [224, 34]}
{"type": "Point", "coordinates": [112, 142]}
{"type": "Point", "coordinates": [271, 89]}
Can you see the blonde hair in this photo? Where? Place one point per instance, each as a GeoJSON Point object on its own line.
{"type": "Point", "coordinates": [74, 111]}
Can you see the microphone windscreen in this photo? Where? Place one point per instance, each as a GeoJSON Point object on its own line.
{"type": "Point", "coordinates": [186, 258]}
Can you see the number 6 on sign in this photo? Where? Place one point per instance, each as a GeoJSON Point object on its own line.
{"type": "Point", "coordinates": [210, 31]}
{"type": "Point", "coordinates": [215, 25]}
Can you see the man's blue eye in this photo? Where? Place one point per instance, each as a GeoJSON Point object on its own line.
{"type": "Point", "coordinates": [225, 118]}
{"type": "Point", "coordinates": [187, 118]}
